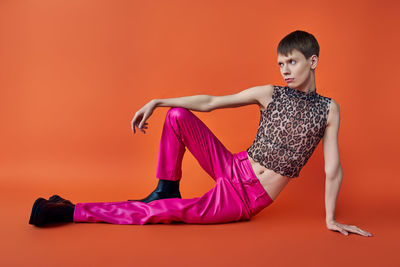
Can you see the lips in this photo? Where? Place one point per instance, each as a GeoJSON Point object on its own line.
{"type": "Point", "coordinates": [289, 79]}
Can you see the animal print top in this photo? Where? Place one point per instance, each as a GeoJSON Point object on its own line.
{"type": "Point", "coordinates": [290, 129]}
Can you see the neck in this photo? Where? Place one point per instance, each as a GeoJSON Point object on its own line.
{"type": "Point", "coordinates": [308, 86]}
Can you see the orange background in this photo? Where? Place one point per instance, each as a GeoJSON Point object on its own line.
{"type": "Point", "coordinates": [73, 73]}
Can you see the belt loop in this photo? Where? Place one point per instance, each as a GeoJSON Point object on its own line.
{"type": "Point", "coordinates": [242, 155]}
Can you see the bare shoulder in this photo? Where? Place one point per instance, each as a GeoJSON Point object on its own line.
{"type": "Point", "coordinates": [264, 95]}
{"type": "Point", "coordinates": [267, 89]}
{"type": "Point", "coordinates": [334, 113]}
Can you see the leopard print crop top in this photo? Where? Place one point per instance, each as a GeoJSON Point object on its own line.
{"type": "Point", "coordinates": [290, 129]}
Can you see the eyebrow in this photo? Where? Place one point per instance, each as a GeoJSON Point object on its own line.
{"type": "Point", "coordinates": [289, 59]}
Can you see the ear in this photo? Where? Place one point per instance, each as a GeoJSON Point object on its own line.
{"type": "Point", "coordinates": [314, 61]}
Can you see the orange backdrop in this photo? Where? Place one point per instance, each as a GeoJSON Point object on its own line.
{"type": "Point", "coordinates": [73, 73]}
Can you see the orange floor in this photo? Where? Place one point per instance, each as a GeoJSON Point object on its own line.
{"type": "Point", "coordinates": [290, 232]}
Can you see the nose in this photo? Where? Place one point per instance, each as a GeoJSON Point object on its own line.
{"type": "Point", "coordinates": [285, 70]}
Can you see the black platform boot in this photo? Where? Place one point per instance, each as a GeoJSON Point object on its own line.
{"type": "Point", "coordinates": [46, 212]}
{"type": "Point", "coordinates": [58, 199]}
{"type": "Point", "coordinates": [164, 189]}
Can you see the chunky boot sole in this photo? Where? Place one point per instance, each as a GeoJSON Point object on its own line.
{"type": "Point", "coordinates": [35, 218]}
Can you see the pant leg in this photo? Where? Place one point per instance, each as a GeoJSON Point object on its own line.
{"type": "Point", "coordinates": [235, 198]}
{"type": "Point", "coordinates": [182, 129]}
{"type": "Point", "coordinates": [219, 205]}
{"type": "Point", "coordinates": [237, 195]}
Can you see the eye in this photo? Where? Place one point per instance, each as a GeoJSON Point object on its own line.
{"type": "Point", "coordinates": [292, 60]}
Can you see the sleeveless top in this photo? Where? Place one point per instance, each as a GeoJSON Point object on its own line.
{"type": "Point", "coordinates": [290, 129]}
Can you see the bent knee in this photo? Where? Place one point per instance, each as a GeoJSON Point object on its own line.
{"type": "Point", "coordinates": [178, 112]}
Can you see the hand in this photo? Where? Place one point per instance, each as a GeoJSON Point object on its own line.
{"type": "Point", "coordinates": [139, 120]}
{"type": "Point", "coordinates": [344, 228]}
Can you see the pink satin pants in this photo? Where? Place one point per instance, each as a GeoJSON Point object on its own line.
{"type": "Point", "coordinates": [237, 195]}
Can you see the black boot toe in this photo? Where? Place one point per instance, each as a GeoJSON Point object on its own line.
{"type": "Point", "coordinates": [34, 217]}
{"type": "Point", "coordinates": [47, 212]}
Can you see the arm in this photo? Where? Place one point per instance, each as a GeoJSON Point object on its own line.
{"type": "Point", "coordinates": [194, 102]}
{"type": "Point", "coordinates": [204, 103]}
{"type": "Point", "coordinates": [333, 168]}
{"type": "Point", "coordinates": [259, 95]}
{"type": "Point", "coordinates": [334, 173]}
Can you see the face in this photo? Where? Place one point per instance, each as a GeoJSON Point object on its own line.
{"type": "Point", "coordinates": [299, 69]}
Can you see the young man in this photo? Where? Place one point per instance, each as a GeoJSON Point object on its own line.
{"type": "Point", "coordinates": [293, 120]}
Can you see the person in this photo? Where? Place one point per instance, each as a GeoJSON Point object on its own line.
{"type": "Point", "coordinates": [293, 120]}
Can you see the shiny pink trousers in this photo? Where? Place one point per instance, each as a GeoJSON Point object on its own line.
{"type": "Point", "coordinates": [237, 195]}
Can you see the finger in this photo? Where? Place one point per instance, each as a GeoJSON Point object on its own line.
{"type": "Point", "coordinates": [341, 230]}
{"type": "Point", "coordinates": [136, 124]}
{"type": "Point", "coordinates": [357, 230]}
{"type": "Point", "coordinates": [142, 122]}
{"type": "Point", "coordinates": [364, 232]}
{"type": "Point", "coordinates": [133, 123]}
{"type": "Point", "coordinates": [140, 127]}
{"type": "Point", "coordinates": [344, 232]}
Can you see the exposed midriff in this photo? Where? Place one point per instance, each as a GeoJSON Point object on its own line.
{"type": "Point", "coordinates": [272, 182]}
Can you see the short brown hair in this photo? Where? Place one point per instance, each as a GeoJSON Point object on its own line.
{"type": "Point", "coordinates": [300, 40]}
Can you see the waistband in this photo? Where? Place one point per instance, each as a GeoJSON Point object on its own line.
{"type": "Point", "coordinates": [242, 155]}
{"type": "Point", "coordinates": [261, 192]}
